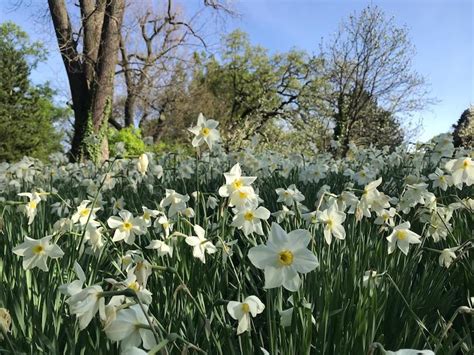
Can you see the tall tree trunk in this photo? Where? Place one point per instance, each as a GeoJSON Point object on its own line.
{"type": "Point", "coordinates": [90, 73]}
{"type": "Point", "coordinates": [107, 60]}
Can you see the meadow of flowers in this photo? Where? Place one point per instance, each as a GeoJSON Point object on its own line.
{"type": "Point", "coordinates": [242, 253]}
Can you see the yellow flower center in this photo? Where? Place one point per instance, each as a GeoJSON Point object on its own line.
{"type": "Point", "coordinates": [134, 286]}
{"type": "Point", "coordinates": [237, 184]}
{"type": "Point", "coordinates": [85, 212]}
{"type": "Point", "coordinates": [401, 234]}
{"type": "Point", "coordinates": [146, 215]}
{"type": "Point", "coordinates": [205, 131]}
{"type": "Point", "coordinates": [248, 216]}
{"type": "Point", "coordinates": [32, 204]}
{"type": "Point", "coordinates": [38, 249]}
{"type": "Point", "coordinates": [465, 164]}
{"type": "Point", "coordinates": [127, 226]}
{"type": "Point", "coordinates": [329, 223]}
{"type": "Point", "coordinates": [166, 225]}
{"type": "Point", "coordinates": [245, 308]}
{"type": "Point", "coordinates": [243, 195]}
{"type": "Point", "coordinates": [285, 257]}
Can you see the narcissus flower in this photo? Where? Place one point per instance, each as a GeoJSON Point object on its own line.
{"type": "Point", "coordinates": [290, 195]}
{"type": "Point", "coordinates": [249, 219]}
{"type": "Point", "coordinates": [283, 257]}
{"type": "Point", "coordinates": [86, 303]}
{"type": "Point", "coordinates": [31, 207]}
{"type": "Point", "coordinates": [447, 256]}
{"type": "Point", "coordinates": [142, 164]}
{"type": "Point", "coordinates": [35, 252]}
{"type": "Point", "coordinates": [462, 171]}
{"type": "Point", "coordinates": [332, 219]}
{"type": "Point", "coordinates": [205, 132]}
{"type": "Point", "coordinates": [175, 201]}
{"type": "Point", "coordinates": [84, 213]}
{"type": "Point", "coordinates": [126, 227]}
{"type": "Point", "coordinates": [234, 181]}
{"type": "Point", "coordinates": [242, 311]}
{"type": "Point", "coordinates": [200, 244]}
{"type": "Point", "coordinates": [402, 237]}
{"type": "Point", "coordinates": [130, 328]}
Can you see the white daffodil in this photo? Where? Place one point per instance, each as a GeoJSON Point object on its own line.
{"type": "Point", "coordinates": [242, 311]}
{"type": "Point", "coordinates": [84, 213]}
{"type": "Point", "coordinates": [289, 196]}
{"type": "Point", "coordinates": [175, 201]}
{"type": "Point", "coordinates": [402, 237]}
{"type": "Point", "coordinates": [75, 286]}
{"type": "Point", "coordinates": [440, 179]}
{"type": "Point", "coordinates": [142, 164]}
{"type": "Point", "coordinates": [205, 132]}
{"type": "Point", "coordinates": [93, 235]}
{"type": "Point", "coordinates": [386, 217]}
{"type": "Point", "coordinates": [332, 219]}
{"type": "Point", "coordinates": [31, 207]}
{"type": "Point", "coordinates": [369, 196]}
{"type": "Point", "coordinates": [86, 303]}
{"type": "Point", "coordinates": [165, 224]}
{"type": "Point", "coordinates": [148, 214]}
{"type": "Point", "coordinates": [243, 197]}
{"type": "Point", "coordinates": [283, 257]}
{"type": "Point", "coordinates": [35, 252]}
{"type": "Point", "coordinates": [447, 256]}
{"type": "Point", "coordinates": [234, 181]}
{"type": "Point", "coordinates": [249, 219]}
{"type": "Point", "coordinates": [462, 171]}
{"type": "Point", "coordinates": [117, 204]}
{"type": "Point", "coordinates": [200, 245]}
{"type": "Point", "coordinates": [126, 227]}
{"type": "Point", "coordinates": [130, 328]}
{"type": "Point", "coordinates": [161, 247]}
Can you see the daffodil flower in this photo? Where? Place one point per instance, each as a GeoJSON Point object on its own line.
{"type": "Point", "coordinates": [242, 311]}
{"type": "Point", "coordinates": [234, 181]}
{"type": "Point", "coordinates": [249, 219]}
{"type": "Point", "coordinates": [283, 257]}
{"type": "Point", "coordinates": [205, 132]}
{"type": "Point", "coordinates": [35, 252]}
{"type": "Point", "coordinates": [126, 227]}
{"type": "Point", "coordinates": [31, 207]}
{"type": "Point", "coordinates": [200, 244]}
{"type": "Point", "coordinates": [402, 237]}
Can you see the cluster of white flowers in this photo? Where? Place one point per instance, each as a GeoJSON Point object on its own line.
{"type": "Point", "coordinates": [285, 256]}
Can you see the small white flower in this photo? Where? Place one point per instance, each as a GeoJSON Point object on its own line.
{"type": "Point", "coordinates": [242, 311]}
{"type": "Point", "coordinates": [332, 219]}
{"type": "Point", "coordinates": [402, 237]}
{"type": "Point", "coordinates": [205, 132]}
{"type": "Point", "coordinates": [126, 227]}
{"type": "Point", "coordinates": [289, 196]}
{"type": "Point", "coordinates": [84, 213]}
{"type": "Point", "coordinates": [175, 201]}
{"type": "Point", "coordinates": [31, 207]}
{"type": "Point", "coordinates": [161, 247]}
{"type": "Point", "coordinates": [249, 220]}
{"type": "Point", "coordinates": [234, 181]}
{"type": "Point", "coordinates": [447, 256]}
{"type": "Point", "coordinates": [35, 252]}
{"type": "Point", "coordinates": [200, 245]}
{"type": "Point", "coordinates": [126, 328]}
{"type": "Point", "coordinates": [86, 303]}
{"type": "Point", "coordinates": [283, 257]}
{"type": "Point", "coordinates": [142, 164]}
{"type": "Point", "coordinates": [462, 171]}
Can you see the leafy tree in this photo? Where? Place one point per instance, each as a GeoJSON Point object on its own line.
{"type": "Point", "coordinates": [242, 86]}
{"type": "Point", "coordinates": [27, 111]}
{"type": "Point", "coordinates": [463, 133]}
{"type": "Point", "coordinates": [370, 60]}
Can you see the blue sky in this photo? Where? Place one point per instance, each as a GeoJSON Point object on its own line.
{"type": "Point", "coordinates": [441, 30]}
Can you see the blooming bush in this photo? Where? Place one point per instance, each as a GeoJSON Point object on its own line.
{"type": "Point", "coordinates": [244, 253]}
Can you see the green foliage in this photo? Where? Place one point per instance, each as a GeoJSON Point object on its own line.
{"type": "Point", "coordinates": [27, 111]}
{"type": "Point", "coordinates": [171, 146]}
{"type": "Point", "coordinates": [130, 136]}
